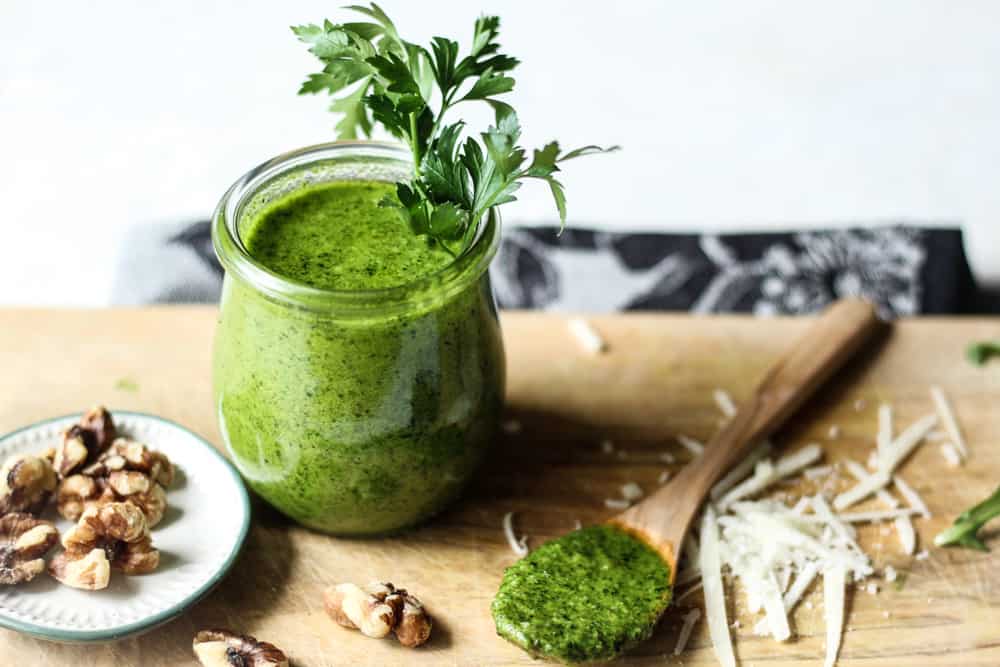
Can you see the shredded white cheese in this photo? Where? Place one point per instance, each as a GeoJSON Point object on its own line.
{"type": "Point", "coordinates": [586, 336]}
{"type": "Point", "coordinates": [740, 470]}
{"type": "Point", "coordinates": [511, 426]}
{"type": "Point", "coordinates": [617, 504]}
{"type": "Point", "coordinates": [695, 447]}
{"type": "Point", "coordinates": [922, 555]}
{"type": "Point", "coordinates": [913, 498]}
{"type": "Point", "coordinates": [859, 473]}
{"type": "Point", "coordinates": [518, 546]}
{"type": "Point", "coordinates": [884, 438]}
{"type": "Point", "coordinates": [684, 635]}
{"type": "Point", "coordinates": [710, 563]}
{"type": "Point", "coordinates": [859, 405]}
{"type": "Point", "coordinates": [607, 446]}
{"type": "Point", "coordinates": [907, 441]}
{"type": "Point", "coordinates": [907, 536]}
{"type": "Point", "coordinates": [834, 582]}
{"type": "Point", "coordinates": [667, 457]}
{"type": "Point", "coordinates": [817, 472]}
{"type": "Point", "coordinates": [631, 492]}
{"type": "Point", "coordinates": [951, 455]}
{"type": "Point", "coordinates": [833, 433]}
{"type": "Point", "coordinates": [889, 574]}
{"type": "Point", "coordinates": [725, 402]}
{"type": "Point", "coordinates": [664, 477]}
{"type": "Point", "coordinates": [885, 515]}
{"type": "Point", "coordinates": [896, 452]}
{"type": "Point", "coordinates": [765, 473]}
{"type": "Point", "coordinates": [948, 420]}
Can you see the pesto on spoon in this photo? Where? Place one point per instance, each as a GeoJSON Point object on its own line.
{"type": "Point", "coordinates": [593, 594]}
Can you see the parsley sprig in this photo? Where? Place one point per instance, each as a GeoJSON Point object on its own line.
{"type": "Point", "coordinates": [377, 77]}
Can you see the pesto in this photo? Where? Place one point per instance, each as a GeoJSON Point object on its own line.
{"type": "Point", "coordinates": [584, 597]}
{"type": "Point", "coordinates": [336, 236]}
{"type": "Point", "coordinates": [354, 426]}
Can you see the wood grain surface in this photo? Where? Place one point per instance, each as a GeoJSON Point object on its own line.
{"type": "Point", "coordinates": [655, 381]}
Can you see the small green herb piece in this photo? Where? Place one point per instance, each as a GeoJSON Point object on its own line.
{"type": "Point", "coordinates": [979, 353]}
{"type": "Point", "coordinates": [127, 384]}
{"type": "Point", "coordinates": [963, 532]}
{"type": "Point", "coordinates": [900, 582]}
{"type": "Point", "coordinates": [379, 78]}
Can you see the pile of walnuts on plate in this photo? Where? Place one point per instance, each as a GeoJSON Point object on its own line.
{"type": "Point", "coordinates": [114, 489]}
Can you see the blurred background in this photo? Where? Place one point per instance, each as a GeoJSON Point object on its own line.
{"type": "Point", "coordinates": [785, 114]}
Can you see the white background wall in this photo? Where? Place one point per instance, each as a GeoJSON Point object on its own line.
{"type": "Point", "coordinates": [733, 115]}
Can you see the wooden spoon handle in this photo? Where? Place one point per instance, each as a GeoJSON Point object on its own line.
{"type": "Point", "coordinates": [662, 518]}
{"type": "Point", "coordinates": [826, 346]}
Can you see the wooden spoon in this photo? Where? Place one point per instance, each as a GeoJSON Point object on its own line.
{"type": "Point", "coordinates": [662, 519]}
{"type": "Point", "coordinates": [594, 593]}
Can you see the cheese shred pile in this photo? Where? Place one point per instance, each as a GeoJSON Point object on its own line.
{"type": "Point", "coordinates": [776, 552]}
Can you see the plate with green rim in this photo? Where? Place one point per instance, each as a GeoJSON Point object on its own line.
{"type": "Point", "coordinates": [199, 538]}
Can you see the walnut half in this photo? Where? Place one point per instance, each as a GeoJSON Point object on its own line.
{"type": "Point", "coordinates": [26, 483]}
{"type": "Point", "coordinates": [24, 540]}
{"type": "Point", "coordinates": [379, 609]}
{"type": "Point", "coordinates": [113, 535]}
{"type": "Point", "coordinates": [85, 441]}
{"type": "Point", "coordinates": [225, 648]}
{"type": "Point", "coordinates": [129, 471]}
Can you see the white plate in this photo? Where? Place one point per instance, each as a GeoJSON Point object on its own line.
{"type": "Point", "coordinates": [207, 518]}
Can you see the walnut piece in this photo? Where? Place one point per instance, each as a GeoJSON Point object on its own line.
{"type": "Point", "coordinates": [85, 441]}
{"type": "Point", "coordinates": [379, 609]}
{"type": "Point", "coordinates": [114, 535]}
{"type": "Point", "coordinates": [128, 470]}
{"type": "Point", "coordinates": [225, 648]}
{"type": "Point", "coordinates": [24, 540]}
{"type": "Point", "coordinates": [26, 484]}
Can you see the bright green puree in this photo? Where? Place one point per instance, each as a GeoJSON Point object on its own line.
{"type": "Point", "coordinates": [585, 597]}
{"type": "Point", "coordinates": [361, 423]}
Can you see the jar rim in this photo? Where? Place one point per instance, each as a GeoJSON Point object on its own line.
{"type": "Point", "coordinates": [232, 253]}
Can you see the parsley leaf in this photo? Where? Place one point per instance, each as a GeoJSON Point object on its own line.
{"type": "Point", "coordinates": [979, 353]}
{"type": "Point", "coordinates": [377, 77]}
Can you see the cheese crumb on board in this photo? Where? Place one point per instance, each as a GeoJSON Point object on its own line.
{"type": "Point", "coordinates": [694, 446]}
{"type": "Point", "coordinates": [518, 546]}
{"type": "Point", "coordinates": [913, 498]}
{"type": "Point", "coordinates": [951, 455]}
{"type": "Point", "coordinates": [949, 421]}
{"type": "Point", "coordinates": [834, 582]}
{"type": "Point", "coordinates": [586, 336]}
{"type": "Point", "coordinates": [664, 477]}
{"type": "Point", "coordinates": [684, 635]}
{"type": "Point", "coordinates": [725, 402]}
{"type": "Point", "coordinates": [607, 446]}
{"type": "Point", "coordinates": [715, 601]}
{"type": "Point", "coordinates": [617, 503]}
{"type": "Point", "coordinates": [631, 492]}
{"type": "Point", "coordinates": [890, 574]}
{"type": "Point", "coordinates": [833, 433]}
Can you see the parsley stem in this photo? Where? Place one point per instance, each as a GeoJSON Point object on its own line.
{"type": "Point", "coordinates": [415, 145]}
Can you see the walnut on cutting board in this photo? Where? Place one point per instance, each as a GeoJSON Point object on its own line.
{"type": "Point", "coordinates": [379, 609]}
{"type": "Point", "coordinates": [24, 541]}
{"type": "Point", "coordinates": [113, 535]}
{"type": "Point", "coordinates": [225, 648]}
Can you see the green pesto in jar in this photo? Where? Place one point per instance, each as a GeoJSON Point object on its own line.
{"type": "Point", "coordinates": [585, 597]}
{"type": "Point", "coordinates": [355, 425]}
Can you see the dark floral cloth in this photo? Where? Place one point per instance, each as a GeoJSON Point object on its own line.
{"type": "Point", "coordinates": [904, 270]}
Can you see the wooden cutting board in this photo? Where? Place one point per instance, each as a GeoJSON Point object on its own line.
{"type": "Point", "coordinates": [655, 381]}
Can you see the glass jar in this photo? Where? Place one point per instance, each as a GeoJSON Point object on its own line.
{"type": "Point", "coordinates": [353, 412]}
